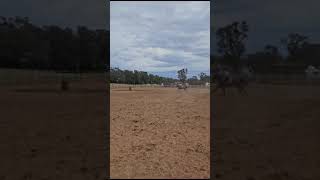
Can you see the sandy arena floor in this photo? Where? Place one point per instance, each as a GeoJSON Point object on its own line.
{"type": "Point", "coordinates": [46, 134]}
{"type": "Point", "coordinates": [272, 134]}
{"type": "Point", "coordinates": [160, 133]}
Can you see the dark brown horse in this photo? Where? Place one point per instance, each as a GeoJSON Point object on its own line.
{"type": "Point", "coordinates": [225, 79]}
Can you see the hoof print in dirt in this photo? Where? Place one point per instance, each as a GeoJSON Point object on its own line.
{"type": "Point", "coordinates": [199, 148]}
{"type": "Point", "coordinates": [150, 147]}
{"type": "Point", "coordinates": [189, 150]}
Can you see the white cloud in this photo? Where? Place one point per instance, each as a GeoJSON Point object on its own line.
{"type": "Point", "coordinates": [160, 36]}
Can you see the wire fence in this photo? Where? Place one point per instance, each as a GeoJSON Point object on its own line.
{"type": "Point", "coordinates": [12, 77]}
{"type": "Point", "coordinates": [300, 78]}
{"type": "Point", "coordinates": [116, 86]}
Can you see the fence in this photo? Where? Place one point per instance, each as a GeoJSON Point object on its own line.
{"type": "Point", "coordinates": [199, 86]}
{"type": "Point", "coordinates": [115, 86]}
{"type": "Point", "coordinates": [10, 77]}
{"type": "Point", "coordinates": [299, 78]}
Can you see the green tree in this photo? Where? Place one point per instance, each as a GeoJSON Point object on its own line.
{"type": "Point", "coordinates": [204, 77]}
{"type": "Point", "coordinates": [182, 75]}
{"type": "Point", "coordinates": [193, 80]}
{"type": "Point", "coordinates": [294, 43]}
{"type": "Point", "coordinates": [231, 41]}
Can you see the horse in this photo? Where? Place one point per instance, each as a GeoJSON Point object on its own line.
{"type": "Point", "coordinates": [226, 79]}
{"type": "Point", "coordinates": [183, 86]}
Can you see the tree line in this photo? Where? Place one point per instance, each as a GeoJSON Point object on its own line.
{"type": "Point", "coordinates": [27, 46]}
{"type": "Point", "coordinates": [141, 77]}
{"type": "Point", "coordinates": [137, 77]}
{"type": "Point", "coordinates": [231, 49]}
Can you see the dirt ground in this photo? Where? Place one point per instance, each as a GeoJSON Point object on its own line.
{"type": "Point", "coordinates": [46, 134]}
{"type": "Point", "coordinates": [272, 134]}
{"type": "Point", "coordinates": [160, 133]}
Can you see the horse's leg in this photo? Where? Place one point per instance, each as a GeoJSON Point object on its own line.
{"type": "Point", "coordinates": [242, 90]}
{"type": "Point", "coordinates": [238, 87]}
{"type": "Point", "coordinates": [215, 89]}
{"type": "Point", "coordinates": [245, 91]}
{"type": "Point", "coordinates": [224, 91]}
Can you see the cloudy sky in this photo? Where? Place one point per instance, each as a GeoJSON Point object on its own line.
{"type": "Point", "coordinates": [269, 20]}
{"type": "Point", "coordinates": [160, 37]}
{"type": "Point", "coordinates": [65, 13]}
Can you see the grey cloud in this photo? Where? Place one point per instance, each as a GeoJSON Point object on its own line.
{"type": "Point", "coordinates": [160, 36]}
{"type": "Point", "coordinates": [71, 13]}
{"type": "Point", "coordinates": [269, 20]}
